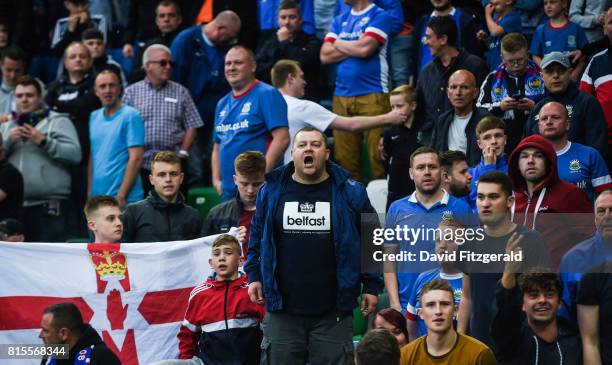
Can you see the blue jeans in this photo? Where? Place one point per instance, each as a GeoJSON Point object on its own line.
{"type": "Point", "coordinates": [400, 58]}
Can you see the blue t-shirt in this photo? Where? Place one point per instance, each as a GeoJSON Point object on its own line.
{"type": "Point", "coordinates": [110, 137]}
{"type": "Point", "coordinates": [584, 167]}
{"type": "Point", "coordinates": [243, 123]}
{"type": "Point", "coordinates": [511, 24]}
{"type": "Point", "coordinates": [414, 303]}
{"type": "Point", "coordinates": [548, 39]}
{"type": "Point", "coordinates": [408, 212]}
{"type": "Point", "coordinates": [361, 76]}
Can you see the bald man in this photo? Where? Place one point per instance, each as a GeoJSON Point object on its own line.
{"type": "Point", "coordinates": [252, 117]}
{"type": "Point", "coordinates": [455, 129]}
{"type": "Point", "coordinates": [577, 164]}
{"type": "Point", "coordinates": [199, 53]}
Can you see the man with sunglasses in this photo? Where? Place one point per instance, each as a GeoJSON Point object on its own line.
{"type": "Point", "coordinates": [169, 114]}
{"type": "Point", "coordinates": [511, 90]}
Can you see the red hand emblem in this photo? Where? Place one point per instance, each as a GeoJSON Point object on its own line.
{"type": "Point", "coordinates": [115, 311]}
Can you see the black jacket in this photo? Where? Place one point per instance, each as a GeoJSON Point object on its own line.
{"type": "Point", "coordinates": [440, 135]}
{"type": "Point", "coordinates": [100, 355]}
{"type": "Point", "coordinates": [588, 124]}
{"type": "Point", "coordinates": [154, 220]}
{"type": "Point", "coordinates": [431, 88]}
{"type": "Point", "coordinates": [515, 342]}
{"type": "Point", "coordinates": [78, 100]}
{"type": "Point", "coordinates": [223, 217]}
{"type": "Point", "coordinates": [303, 48]}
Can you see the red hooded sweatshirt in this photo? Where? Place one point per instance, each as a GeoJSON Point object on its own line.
{"type": "Point", "coordinates": [560, 231]}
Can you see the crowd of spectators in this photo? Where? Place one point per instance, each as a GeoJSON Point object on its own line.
{"type": "Point", "coordinates": [494, 114]}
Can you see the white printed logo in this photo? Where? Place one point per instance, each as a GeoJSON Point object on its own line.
{"type": "Point", "coordinates": [306, 216]}
{"type": "Point", "coordinates": [222, 113]}
{"type": "Point", "coordinates": [246, 108]}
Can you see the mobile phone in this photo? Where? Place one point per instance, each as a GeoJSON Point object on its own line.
{"type": "Point", "coordinates": [517, 96]}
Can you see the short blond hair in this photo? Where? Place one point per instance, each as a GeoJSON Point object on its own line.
{"type": "Point", "coordinates": [407, 91]}
{"type": "Point", "coordinates": [227, 239]}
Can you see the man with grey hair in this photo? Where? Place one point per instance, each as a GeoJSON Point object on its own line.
{"type": "Point", "coordinates": [169, 114]}
{"type": "Point", "coordinates": [199, 52]}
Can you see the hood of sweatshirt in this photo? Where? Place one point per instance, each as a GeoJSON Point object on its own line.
{"type": "Point", "coordinates": [539, 142]}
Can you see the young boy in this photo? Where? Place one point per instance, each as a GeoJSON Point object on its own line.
{"type": "Point", "coordinates": [491, 139]}
{"type": "Point", "coordinates": [221, 323]}
{"type": "Point", "coordinates": [558, 34]}
{"type": "Point", "coordinates": [104, 219]}
{"type": "Point", "coordinates": [93, 39]}
{"type": "Point", "coordinates": [501, 19]}
{"type": "Point", "coordinates": [71, 28]}
{"type": "Point", "coordinates": [399, 141]}
{"type": "Point", "coordinates": [446, 271]}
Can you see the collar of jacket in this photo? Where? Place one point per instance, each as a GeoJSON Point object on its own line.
{"type": "Point", "coordinates": [159, 203]}
{"type": "Point", "coordinates": [569, 93]}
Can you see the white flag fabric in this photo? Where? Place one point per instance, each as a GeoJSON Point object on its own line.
{"type": "Point", "coordinates": [133, 294]}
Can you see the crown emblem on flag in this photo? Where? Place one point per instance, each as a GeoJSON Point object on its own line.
{"type": "Point", "coordinates": [109, 265]}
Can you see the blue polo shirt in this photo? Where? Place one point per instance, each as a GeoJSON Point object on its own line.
{"type": "Point", "coordinates": [575, 263]}
{"type": "Point", "coordinates": [409, 212]}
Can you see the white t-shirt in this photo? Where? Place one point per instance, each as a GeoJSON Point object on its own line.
{"type": "Point", "coordinates": [305, 113]}
{"type": "Point", "coordinates": [457, 140]}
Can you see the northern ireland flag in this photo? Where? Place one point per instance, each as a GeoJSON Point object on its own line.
{"type": "Point", "coordinates": [133, 294]}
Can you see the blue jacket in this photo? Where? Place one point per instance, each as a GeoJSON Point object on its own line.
{"type": "Point", "coordinates": [199, 67]}
{"type": "Point", "coordinates": [349, 200]}
{"type": "Point", "coordinates": [477, 171]}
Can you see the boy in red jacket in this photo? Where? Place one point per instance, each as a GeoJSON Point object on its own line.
{"type": "Point", "coordinates": [221, 324]}
{"type": "Point", "coordinates": [539, 191]}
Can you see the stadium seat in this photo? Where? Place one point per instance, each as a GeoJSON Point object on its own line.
{"type": "Point", "coordinates": [203, 199]}
{"type": "Point", "coordinates": [360, 323]}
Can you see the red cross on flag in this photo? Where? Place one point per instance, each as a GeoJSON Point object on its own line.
{"type": "Point", "coordinates": [134, 295]}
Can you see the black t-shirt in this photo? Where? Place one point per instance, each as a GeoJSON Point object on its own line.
{"type": "Point", "coordinates": [595, 288]}
{"type": "Point", "coordinates": [399, 142]}
{"type": "Point", "coordinates": [11, 183]}
{"type": "Point", "coordinates": [306, 259]}
{"type": "Point", "coordinates": [484, 276]}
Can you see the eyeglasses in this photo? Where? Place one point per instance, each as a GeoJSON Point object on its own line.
{"type": "Point", "coordinates": [163, 63]}
{"type": "Point", "coordinates": [516, 62]}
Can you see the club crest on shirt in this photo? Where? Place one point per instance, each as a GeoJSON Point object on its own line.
{"type": "Point", "coordinates": [364, 21]}
{"type": "Point", "coordinates": [446, 215]}
{"type": "Point", "coordinates": [571, 41]}
{"type": "Point", "coordinates": [574, 165]}
{"type": "Point", "coordinates": [246, 108]}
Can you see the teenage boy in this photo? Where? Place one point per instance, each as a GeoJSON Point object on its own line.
{"type": "Point", "coordinates": [542, 335]}
{"type": "Point", "coordinates": [446, 271]}
{"type": "Point", "coordinates": [221, 324]}
{"type": "Point", "coordinates": [93, 39]}
{"type": "Point", "coordinates": [494, 201]}
{"type": "Point", "coordinates": [399, 142]}
{"type": "Point", "coordinates": [104, 219]}
{"type": "Point", "coordinates": [558, 34]}
{"type": "Point", "coordinates": [491, 138]}
{"type": "Point", "coordinates": [443, 345]}
{"type": "Point", "coordinates": [501, 19]}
